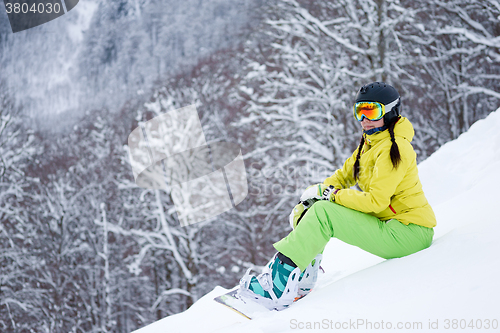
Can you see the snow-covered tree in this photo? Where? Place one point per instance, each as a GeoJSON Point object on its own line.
{"type": "Point", "coordinates": [455, 62]}
{"type": "Point", "coordinates": [16, 153]}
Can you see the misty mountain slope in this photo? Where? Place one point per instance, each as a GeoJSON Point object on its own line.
{"type": "Point", "coordinates": [102, 54]}
{"type": "Point", "coordinates": [455, 279]}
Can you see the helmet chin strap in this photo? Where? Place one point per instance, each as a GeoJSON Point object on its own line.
{"type": "Point", "coordinates": [375, 130]}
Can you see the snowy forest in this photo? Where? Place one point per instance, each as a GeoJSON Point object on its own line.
{"type": "Point", "coordinates": [83, 249]}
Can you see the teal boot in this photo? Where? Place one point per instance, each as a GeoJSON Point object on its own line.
{"type": "Point", "coordinates": [277, 286]}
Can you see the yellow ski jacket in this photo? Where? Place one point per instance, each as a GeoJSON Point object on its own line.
{"type": "Point", "coordinates": [387, 192]}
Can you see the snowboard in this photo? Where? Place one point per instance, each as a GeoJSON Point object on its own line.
{"type": "Point", "coordinates": [245, 307]}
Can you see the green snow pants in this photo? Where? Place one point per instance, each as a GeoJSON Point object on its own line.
{"type": "Point", "coordinates": [324, 220]}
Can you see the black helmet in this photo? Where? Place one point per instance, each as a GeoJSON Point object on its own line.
{"type": "Point", "coordinates": [383, 93]}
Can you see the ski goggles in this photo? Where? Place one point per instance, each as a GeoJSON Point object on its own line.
{"type": "Point", "coordinates": [372, 110]}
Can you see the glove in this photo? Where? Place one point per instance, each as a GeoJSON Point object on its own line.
{"type": "Point", "coordinates": [297, 212]}
{"type": "Point", "coordinates": [313, 192]}
{"type": "Point", "coordinates": [329, 193]}
{"type": "Point", "coordinates": [319, 192]}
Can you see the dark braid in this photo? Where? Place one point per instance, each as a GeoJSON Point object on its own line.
{"type": "Point", "coordinates": [355, 168]}
{"type": "Point", "coordinates": [394, 153]}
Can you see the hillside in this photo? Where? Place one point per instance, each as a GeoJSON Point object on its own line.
{"type": "Point", "coordinates": [453, 285]}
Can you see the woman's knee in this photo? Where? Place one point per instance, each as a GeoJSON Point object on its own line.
{"type": "Point", "coordinates": [322, 213]}
{"type": "Point", "coordinates": [321, 204]}
{"type": "Point", "coordinates": [324, 209]}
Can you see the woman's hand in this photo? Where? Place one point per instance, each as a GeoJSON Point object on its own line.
{"type": "Point", "coordinates": [319, 192]}
{"type": "Point", "coordinates": [329, 193]}
{"type": "Point", "coordinates": [312, 194]}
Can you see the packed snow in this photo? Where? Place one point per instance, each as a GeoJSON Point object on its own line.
{"type": "Point", "coordinates": [451, 286]}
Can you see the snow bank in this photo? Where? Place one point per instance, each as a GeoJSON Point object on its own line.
{"type": "Point", "coordinates": [451, 286]}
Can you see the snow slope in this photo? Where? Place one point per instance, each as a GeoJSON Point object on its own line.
{"type": "Point", "coordinates": [451, 286]}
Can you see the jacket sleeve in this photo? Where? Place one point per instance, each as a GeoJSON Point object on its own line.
{"type": "Point", "coordinates": [343, 178]}
{"type": "Point", "coordinates": [383, 183]}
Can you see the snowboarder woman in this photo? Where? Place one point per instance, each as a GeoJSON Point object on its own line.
{"type": "Point", "coordinates": [390, 217]}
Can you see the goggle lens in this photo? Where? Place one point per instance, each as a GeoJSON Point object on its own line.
{"type": "Point", "coordinates": [369, 110]}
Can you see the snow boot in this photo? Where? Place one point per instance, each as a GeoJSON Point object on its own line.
{"type": "Point", "coordinates": [276, 287]}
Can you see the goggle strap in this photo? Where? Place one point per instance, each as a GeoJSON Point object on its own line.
{"type": "Point", "coordinates": [388, 107]}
